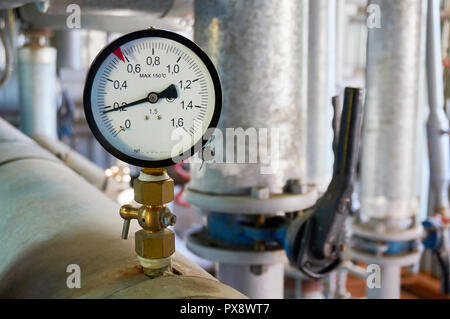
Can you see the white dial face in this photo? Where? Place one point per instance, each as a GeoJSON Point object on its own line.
{"type": "Point", "coordinates": [149, 94]}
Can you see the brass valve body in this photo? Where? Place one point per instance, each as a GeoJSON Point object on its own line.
{"type": "Point", "coordinates": [154, 241]}
{"type": "Point", "coordinates": [155, 245]}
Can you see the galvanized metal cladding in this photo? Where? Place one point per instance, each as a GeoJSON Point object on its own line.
{"type": "Point", "coordinates": [389, 164]}
{"type": "Point", "coordinates": [260, 51]}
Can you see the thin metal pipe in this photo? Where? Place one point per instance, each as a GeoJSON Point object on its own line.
{"type": "Point", "coordinates": [5, 37]}
{"type": "Point", "coordinates": [438, 123]}
{"type": "Point", "coordinates": [68, 44]}
{"type": "Point", "coordinates": [80, 164]}
{"type": "Point", "coordinates": [321, 88]}
{"type": "Point", "coordinates": [341, 35]}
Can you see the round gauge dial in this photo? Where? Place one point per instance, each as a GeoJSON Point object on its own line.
{"type": "Point", "coordinates": [150, 98]}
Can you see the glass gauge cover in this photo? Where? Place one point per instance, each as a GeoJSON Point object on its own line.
{"type": "Point", "coordinates": [151, 96]}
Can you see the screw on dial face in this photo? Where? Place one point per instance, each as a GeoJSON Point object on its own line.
{"type": "Point", "coordinates": [150, 97]}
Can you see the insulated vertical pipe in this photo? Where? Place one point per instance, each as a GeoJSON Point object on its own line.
{"type": "Point", "coordinates": [37, 85]}
{"type": "Point", "coordinates": [321, 88]}
{"type": "Point", "coordinates": [389, 154]}
{"type": "Point", "coordinates": [260, 50]}
{"type": "Point", "coordinates": [439, 143]}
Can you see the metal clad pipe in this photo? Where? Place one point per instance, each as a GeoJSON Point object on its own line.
{"type": "Point", "coordinates": [389, 161]}
{"type": "Point", "coordinates": [50, 219]}
{"type": "Point", "coordinates": [260, 50]}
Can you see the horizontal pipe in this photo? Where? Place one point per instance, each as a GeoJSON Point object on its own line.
{"type": "Point", "coordinates": [77, 162]}
{"type": "Point", "coordinates": [112, 16]}
{"type": "Point", "coordinates": [52, 219]}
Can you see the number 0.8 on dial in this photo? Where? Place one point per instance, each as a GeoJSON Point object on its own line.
{"type": "Point", "coordinates": [149, 92]}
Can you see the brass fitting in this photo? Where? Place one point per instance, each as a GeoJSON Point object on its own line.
{"type": "Point", "coordinates": [154, 243]}
{"type": "Point", "coordinates": [154, 192]}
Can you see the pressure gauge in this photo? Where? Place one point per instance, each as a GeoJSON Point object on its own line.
{"type": "Point", "coordinates": [150, 98]}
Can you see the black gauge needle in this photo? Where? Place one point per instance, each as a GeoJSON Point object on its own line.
{"type": "Point", "coordinates": [127, 105]}
{"type": "Point", "coordinates": [169, 93]}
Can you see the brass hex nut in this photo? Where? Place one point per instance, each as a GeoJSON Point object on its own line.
{"type": "Point", "coordinates": [155, 245]}
{"type": "Point", "coordinates": [153, 193]}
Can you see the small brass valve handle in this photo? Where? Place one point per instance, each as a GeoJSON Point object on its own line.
{"type": "Point", "coordinates": [125, 228]}
{"type": "Point", "coordinates": [128, 212]}
{"type": "Point", "coordinates": [150, 218]}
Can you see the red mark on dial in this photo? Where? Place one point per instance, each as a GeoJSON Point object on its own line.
{"type": "Point", "coordinates": [118, 53]}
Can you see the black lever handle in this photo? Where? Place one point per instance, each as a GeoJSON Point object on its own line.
{"type": "Point", "coordinates": [315, 238]}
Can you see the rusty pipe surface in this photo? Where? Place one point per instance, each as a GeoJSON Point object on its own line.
{"type": "Point", "coordinates": [51, 218]}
